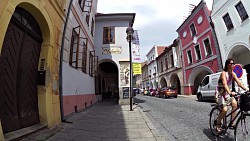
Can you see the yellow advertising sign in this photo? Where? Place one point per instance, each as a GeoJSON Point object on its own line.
{"type": "Point", "coordinates": [136, 68]}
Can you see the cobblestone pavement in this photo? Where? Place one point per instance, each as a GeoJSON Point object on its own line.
{"type": "Point", "coordinates": [105, 121]}
{"type": "Point", "coordinates": [180, 119]}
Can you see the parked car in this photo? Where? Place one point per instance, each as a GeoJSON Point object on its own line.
{"type": "Point", "coordinates": [167, 92]}
{"type": "Point", "coordinates": [153, 93]}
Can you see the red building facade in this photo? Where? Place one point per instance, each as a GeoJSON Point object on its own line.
{"type": "Point", "coordinates": [199, 48]}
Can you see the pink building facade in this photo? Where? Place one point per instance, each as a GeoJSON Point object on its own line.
{"type": "Point", "coordinates": [199, 48]}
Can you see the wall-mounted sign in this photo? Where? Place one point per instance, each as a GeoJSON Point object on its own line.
{"type": "Point", "coordinates": [111, 50]}
{"type": "Point", "coordinates": [136, 68]}
{"type": "Point", "coordinates": [125, 91]}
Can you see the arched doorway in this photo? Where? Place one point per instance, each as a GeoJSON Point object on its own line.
{"type": "Point", "coordinates": [18, 72]}
{"type": "Point", "coordinates": [108, 71]}
{"type": "Point", "coordinates": [163, 82]}
{"type": "Point", "coordinates": [175, 81]}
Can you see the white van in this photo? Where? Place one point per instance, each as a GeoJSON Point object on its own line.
{"type": "Point", "coordinates": [206, 90]}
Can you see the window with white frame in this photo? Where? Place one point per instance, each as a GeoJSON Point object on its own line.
{"type": "Point", "coordinates": [74, 49]}
{"type": "Point", "coordinates": [207, 45]}
{"type": "Point", "coordinates": [228, 22]}
{"type": "Point", "coordinates": [108, 35]}
{"type": "Point", "coordinates": [241, 11]}
{"type": "Point", "coordinates": [193, 31]}
{"type": "Point", "coordinates": [197, 52]}
{"type": "Point", "coordinates": [189, 56]}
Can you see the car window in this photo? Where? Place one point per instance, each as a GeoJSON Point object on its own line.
{"type": "Point", "coordinates": [205, 81]}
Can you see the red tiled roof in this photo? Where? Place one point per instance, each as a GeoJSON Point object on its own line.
{"type": "Point", "coordinates": [160, 49]}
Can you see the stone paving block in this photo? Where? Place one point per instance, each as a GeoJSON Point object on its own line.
{"type": "Point", "coordinates": [66, 136]}
{"type": "Point", "coordinates": [87, 139]}
{"type": "Point", "coordinates": [147, 134]}
{"type": "Point", "coordinates": [143, 139]}
{"type": "Point", "coordinates": [56, 139]}
{"type": "Point", "coordinates": [113, 139]}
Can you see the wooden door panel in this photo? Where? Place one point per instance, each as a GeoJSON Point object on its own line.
{"type": "Point", "coordinates": [27, 83]}
{"type": "Point", "coordinates": [8, 78]}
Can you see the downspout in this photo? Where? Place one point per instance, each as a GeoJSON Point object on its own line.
{"type": "Point", "coordinates": [61, 63]}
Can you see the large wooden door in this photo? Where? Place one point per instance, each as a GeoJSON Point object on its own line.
{"type": "Point", "coordinates": [18, 77]}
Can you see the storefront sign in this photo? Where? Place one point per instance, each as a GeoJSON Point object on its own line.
{"type": "Point", "coordinates": [111, 50]}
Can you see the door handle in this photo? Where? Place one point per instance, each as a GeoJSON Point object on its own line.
{"type": "Point", "coordinates": [208, 86]}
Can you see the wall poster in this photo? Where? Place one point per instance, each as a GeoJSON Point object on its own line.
{"type": "Point", "coordinates": [124, 73]}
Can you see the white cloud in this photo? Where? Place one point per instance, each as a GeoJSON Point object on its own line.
{"type": "Point", "coordinates": [156, 20]}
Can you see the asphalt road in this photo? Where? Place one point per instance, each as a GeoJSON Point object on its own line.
{"type": "Point", "coordinates": [180, 119]}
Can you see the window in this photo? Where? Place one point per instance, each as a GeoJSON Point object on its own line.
{"type": "Point", "coordinates": [81, 3]}
{"type": "Point", "coordinates": [189, 55]}
{"type": "Point", "coordinates": [166, 63]}
{"type": "Point", "coordinates": [205, 81]}
{"type": "Point", "coordinates": [87, 18]}
{"type": "Point", "coordinates": [207, 45]}
{"type": "Point", "coordinates": [197, 52]}
{"type": "Point", "coordinates": [172, 60]}
{"type": "Point", "coordinates": [242, 11]}
{"type": "Point", "coordinates": [108, 35]}
{"type": "Point", "coordinates": [92, 27]}
{"type": "Point", "coordinates": [84, 57]}
{"type": "Point", "coordinates": [155, 69]}
{"type": "Point", "coordinates": [228, 22]}
{"type": "Point", "coordinates": [91, 64]}
{"type": "Point", "coordinates": [193, 31]}
{"type": "Point", "coordinates": [161, 66]}
{"type": "Point", "coordinates": [73, 58]}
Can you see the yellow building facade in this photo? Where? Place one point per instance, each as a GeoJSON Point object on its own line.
{"type": "Point", "coordinates": [22, 90]}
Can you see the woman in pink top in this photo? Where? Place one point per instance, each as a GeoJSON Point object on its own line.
{"type": "Point", "coordinates": [224, 93]}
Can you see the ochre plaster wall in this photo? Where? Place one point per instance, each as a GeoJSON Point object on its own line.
{"type": "Point", "coordinates": [49, 14]}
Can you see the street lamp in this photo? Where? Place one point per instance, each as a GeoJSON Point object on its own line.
{"type": "Point", "coordinates": [130, 32]}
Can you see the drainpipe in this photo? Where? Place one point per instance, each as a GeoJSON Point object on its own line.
{"type": "Point", "coordinates": [61, 63]}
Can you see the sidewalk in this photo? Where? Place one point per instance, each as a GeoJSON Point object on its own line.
{"type": "Point", "coordinates": [105, 121]}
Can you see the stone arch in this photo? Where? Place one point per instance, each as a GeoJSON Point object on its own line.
{"type": "Point", "coordinates": [108, 71]}
{"type": "Point", "coordinates": [163, 82]}
{"type": "Point", "coordinates": [196, 71]}
{"type": "Point", "coordinates": [239, 52]}
{"type": "Point", "coordinates": [175, 81]}
{"type": "Point", "coordinates": [197, 75]}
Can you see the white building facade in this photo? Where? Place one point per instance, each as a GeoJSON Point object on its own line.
{"type": "Point", "coordinates": [112, 49]}
{"type": "Point", "coordinates": [232, 24]}
{"type": "Point", "coordinates": [152, 66]}
{"type": "Point", "coordinates": [78, 83]}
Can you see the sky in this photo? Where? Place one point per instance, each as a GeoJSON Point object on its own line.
{"type": "Point", "coordinates": [155, 20]}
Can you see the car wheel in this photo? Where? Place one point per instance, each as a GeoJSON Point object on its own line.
{"type": "Point", "coordinates": [199, 97]}
{"type": "Point", "coordinates": [175, 96]}
{"type": "Point", "coordinates": [164, 96]}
